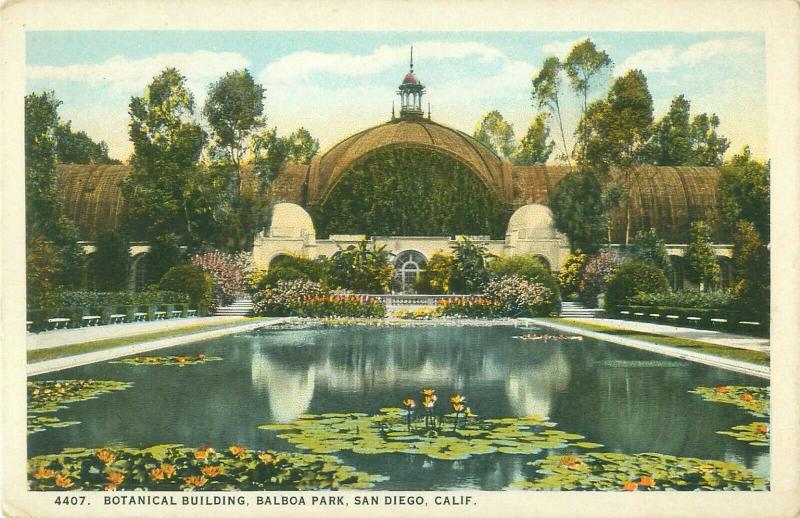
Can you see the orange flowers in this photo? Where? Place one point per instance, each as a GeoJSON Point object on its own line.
{"type": "Point", "coordinates": [168, 470]}
{"type": "Point", "coordinates": [114, 478]}
{"type": "Point", "coordinates": [43, 472]}
{"type": "Point", "coordinates": [762, 429]}
{"type": "Point", "coordinates": [457, 402]}
{"type": "Point", "coordinates": [570, 461]}
{"type": "Point", "coordinates": [630, 486]}
{"type": "Point", "coordinates": [202, 453]}
{"type": "Point", "coordinates": [180, 359]}
{"type": "Point", "coordinates": [409, 403]}
{"type": "Point", "coordinates": [746, 397]}
{"type": "Point", "coordinates": [63, 481]}
{"type": "Point", "coordinates": [156, 474]}
{"type": "Point", "coordinates": [238, 450]}
{"type": "Point", "coordinates": [196, 481]}
{"type": "Point", "coordinates": [105, 456]}
{"type": "Point", "coordinates": [722, 390]}
{"type": "Point", "coordinates": [646, 482]}
{"type": "Point", "coordinates": [266, 458]}
{"type": "Point", "coordinates": [211, 471]}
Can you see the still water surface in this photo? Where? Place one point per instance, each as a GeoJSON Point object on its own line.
{"type": "Point", "coordinates": [631, 401]}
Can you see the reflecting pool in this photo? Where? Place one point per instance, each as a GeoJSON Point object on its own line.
{"type": "Point", "coordinates": [628, 400]}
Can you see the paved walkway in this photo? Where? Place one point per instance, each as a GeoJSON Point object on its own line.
{"type": "Point", "coordinates": [703, 335]}
{"type": "Point", "coordinates": [59, 337]}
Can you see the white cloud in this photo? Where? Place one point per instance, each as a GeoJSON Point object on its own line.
{"type": "Point", "coordinates": [127, 74]}
{"type": "Point", "coordinates": [664, 58]}
{"type": "Point", "coordinates": [303, 65]}
{"type": "Point", "coordinates": [560, 49]}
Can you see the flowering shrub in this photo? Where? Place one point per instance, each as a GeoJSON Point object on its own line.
{"type": "Point", "coordinates": [227, 271]}
{"type": "Point", "coordinates": [596, 272]}
{"type": "Point", "coordinates": [337, 305]}
{"type": "Point", "coordinates": [278, 301]}
{"type": "Point", "coordinates": [518, 296]}
{"type": "Point", "coordinates": [417, 314]}
{"type": "Point", "coordinates": [570, 275]}
{"type": "Point", "coordinates": [473, 306]}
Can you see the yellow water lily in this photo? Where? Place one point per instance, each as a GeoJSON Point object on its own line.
{"type": "Point", "coordinates": [202, 453]}
{"type": "Point", "coordinates": [196, 481]}
{"type": "Point", "coordinates": [43, 472]}
{"type": "Point", "coordinates": [63, 481]}
{"type": "Point", "coordinates": [409, 403]}
{"type": "Point", "coordinates": [428, 392]}
{"type": "Point", "coordinates": [428, 402]}
{"type": "Point", "coordinates": [105, 456]}
{"type": "Point", "coordinates": [458, 407]}
{"type": "Point", "coordinates": [238, 450]}
{"type": "Point", "coordinates": [266, 457]}
{"type": "Point", "coordinates": [168, 470]}
{"type": "Point", "coordinates": [156, 474]}
{"type": "Point", "coordinates": [457, 399]}
{"type": "Point", "coordinates": [211, 471]}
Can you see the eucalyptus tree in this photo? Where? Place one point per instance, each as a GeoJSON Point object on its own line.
{"type": "Point", "coordinates": [583, 64]}
{"type": "Point", "coordinates": [546, 92]}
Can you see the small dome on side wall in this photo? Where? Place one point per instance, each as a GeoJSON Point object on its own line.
{"type": "Point", "coordinates": [290, 220]}
{"type": "Point", "coordinates": [532, 221]}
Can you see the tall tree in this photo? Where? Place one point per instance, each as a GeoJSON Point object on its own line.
{"type": "Point", "coordinates": [579, 210]}
{"type": "Point", "coordinates": [545, 92]}
{"type": "Point", "coordinates": [234, 109]}
{"type": "Point", "coordinates": [76, 147]}
{"type": "Point", "coordinates": [648, 247]}
{"type": "Point", "coordinates": [679, 140]}
{"type": "Point", "coordinates": [617, 128]}
{"type": "Point", "coordinates": [535, 148]}
{"type": "Point", "coordinates": [744, 186]}
{"type": "Point", "coordinates": [751, 268]}
{"type": "Point", "coordinates": [496, 133]}
{"type": "Point", "coordinates": [702, 266]}
{"type": "Point", "coordinates": [163, 186]}
{"type": "Point", "coordinates": [45, 221]}
{"type": "Point", "coordinates": [583, 64]}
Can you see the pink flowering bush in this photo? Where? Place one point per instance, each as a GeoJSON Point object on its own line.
{"type": "Point", "coordinates": [518, 296]}
{"type": "Point", "coordinates": [227, 271]}
{"type": "Point", "coordinates": [596, 272]}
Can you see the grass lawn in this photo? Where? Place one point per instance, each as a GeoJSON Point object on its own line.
{"type": "Point", "coordinates": [746, 355]}
{"type": "Point", "coordinates": [50, 353]}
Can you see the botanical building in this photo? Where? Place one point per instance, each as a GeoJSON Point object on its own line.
{"type": "Point", "coordinates": [414, 184]}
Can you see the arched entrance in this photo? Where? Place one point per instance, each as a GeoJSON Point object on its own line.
{"type": "Point", "coordinates": [408, 265]}
{"type": "Point", "coordinates": [139, 272]}
{"type": "Point", "coordinates": [543, 261]}
{"type": "Point", "coordinates": [678, 278]}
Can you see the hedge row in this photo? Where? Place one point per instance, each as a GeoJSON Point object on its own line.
{"type": "Point", "coordinates": [702, 318]}
{"type": "Point", "coordinates": [40, 317]}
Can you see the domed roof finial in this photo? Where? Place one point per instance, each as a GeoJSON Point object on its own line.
{"type": "Point", "coordinates": [412, 58]}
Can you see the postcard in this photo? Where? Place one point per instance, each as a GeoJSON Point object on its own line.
{"type": "Point", "coordinates": [400, 258]}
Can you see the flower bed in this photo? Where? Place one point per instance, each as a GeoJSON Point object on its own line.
{"type": "Point", "coordinates": [470, 307]}
{"type": "Point", "coordinates": [307, 299]}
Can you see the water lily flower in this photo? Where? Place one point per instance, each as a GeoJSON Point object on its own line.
{"type": "Point", "coordinates": [570, 461]}
{"type": "Point", "coordinates": [238, 450]}
{"type": "Point", "coordinates": [202, 453]}
{"type": "Point", "coordinates": [428, 402]}
{"type": "Point", "coordinates": [196, 481]}
{"type": "Point", "coordinates": [457, 399]}
{"type": "Point", "coordinates": [721, 390]}
{"type": "Point", "coordinates": [468, 413]}
{"type": "Point", "coordinates": [427, 392]}
{"type": "Point", "coordinates": [630, 486]}
{"type": "Point", "coordinates": [63, 481]}
{"type": "Point", "coordinates": [105, 456]}
{"type": "Point", "coordinates": [115, 477]}
{"type": "Point", "coordinates": [43, 472]}
{"type": "Point", "coordinates": [36, 392]}
{"type": "Point", "coordinates": [409, 403]}
{"type": "Point", "coordinates": [747, 397]}
{"type": "Point", "coordinates": [211, 471]}
{"type": "Point", "coordinates": [156, 474]}
{"type": "Point", "coordinates": [762, 429]}
{"type": "Point", "coordinates": [201, 356]}
{"type": "Point", "coordinates": [646, 482]}
{"type": "Point", "coordinates": [458, 407]}
{"type": "Point", "coordinates": [168, 470]}
{"type": "Point", "coordinates": [266, 457]}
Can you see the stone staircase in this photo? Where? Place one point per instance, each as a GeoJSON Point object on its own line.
{"type": "Point", "coordinates": [240, 307]}
{"type": "Point", "coordinates": [578, 310]}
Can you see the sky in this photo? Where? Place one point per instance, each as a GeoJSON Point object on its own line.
{"type": "Point", "coordinates": [337, 83]}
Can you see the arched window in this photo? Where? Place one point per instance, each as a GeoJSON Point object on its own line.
{"type": "Point", "coordinates": [408, 265]}
{"type": "Point", "coordinates": [676, 281]}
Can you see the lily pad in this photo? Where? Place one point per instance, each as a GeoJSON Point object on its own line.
{"type": "Point", "coordinates": [638, 472]}
{"type": "Point", "coordinates": [753, 399]}
{"type": "Point", "coordinates": [389, 431]}
{"type": "Point", "coordinates": [180, 361]}
{"type": "Point", "coordinates": [173, 467]}
{"type": "Point", "coordinates": [38, 423]}
{"type": "Point", "coordinates": [755, 434]}
{"type": "Point", "coordinates": [50, 396]}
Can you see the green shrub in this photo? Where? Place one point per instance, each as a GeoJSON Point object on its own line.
{"type": "Point", "coordinates": [435, 279]}
{"type": "Point", "coordinates": [470, 273]}
{"type": "Point", "coordinates": [336, 305]}
{"type": "Point", "coordinates": [631, 279]}
{"type": "Point", "coordinates": [294, 268]}
{"type": "Point", "coordinates": [687, 299]}
{"type": "Point", "coordinates": [528, 267]}
{"type": "Point", "coordinates": [361, 268]}
{"type": "Point", "coordinates": [569, 277]}
{"type": "Point", "coordinates": [520, 297]}
{"type": "Point", "coordinates": [192, 280]}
